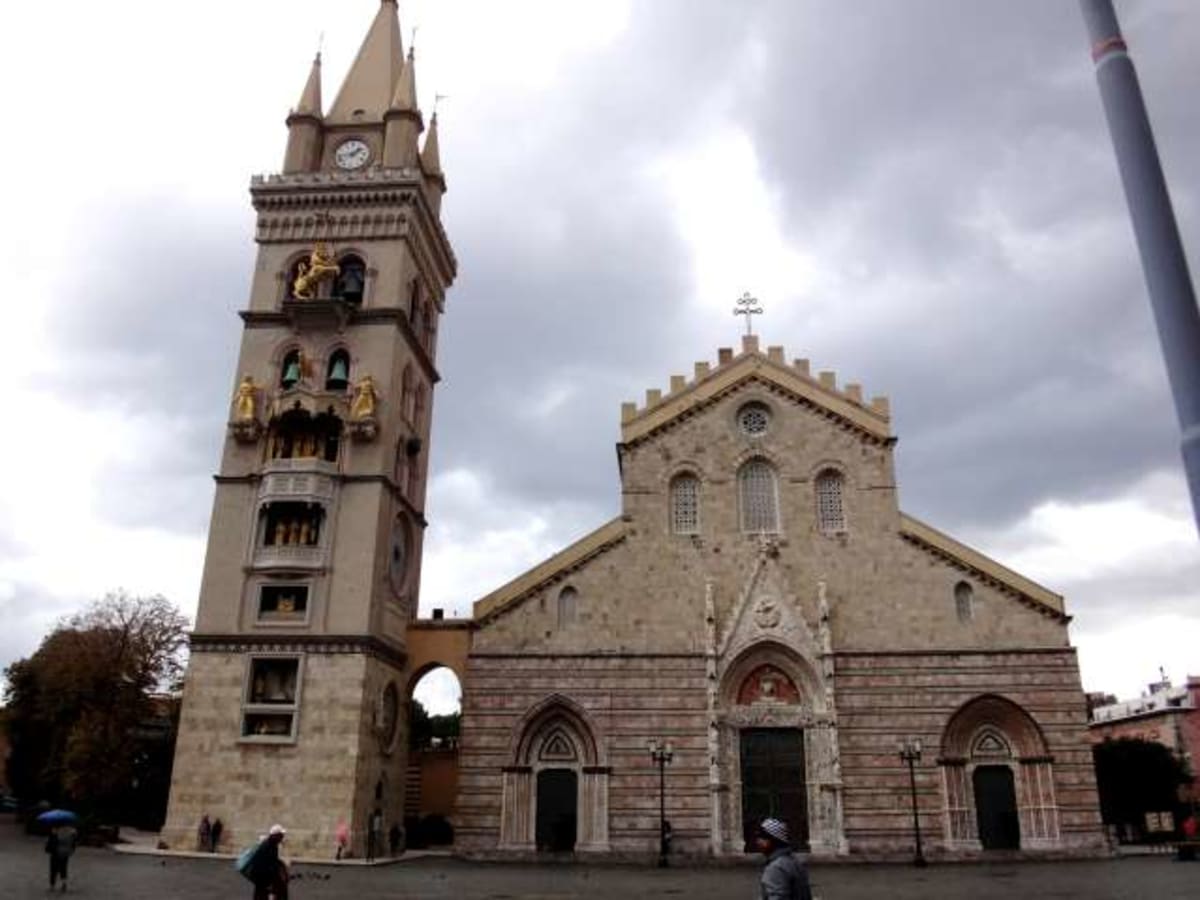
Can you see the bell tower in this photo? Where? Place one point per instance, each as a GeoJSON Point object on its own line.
{"type": "Point", "coordinates": [293, 706]}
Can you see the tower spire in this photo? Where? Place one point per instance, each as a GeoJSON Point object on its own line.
{"type": "Point", "coordinates": [367, 91]}
{"type": "Point", "coordinates": [304, 126]}
{"type": "Point", "coordinates": [403, 120]}
{"type": "Point", "coordinates": [310, 99]}
{"type": "Point", "coordinates": [431, 158]}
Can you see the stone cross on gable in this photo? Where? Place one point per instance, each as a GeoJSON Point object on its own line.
{"type": "Point", "coordinates": [747, 306]}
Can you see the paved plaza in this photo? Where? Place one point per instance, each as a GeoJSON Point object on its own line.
{"type": "Point", "coordinates": [106, 874]}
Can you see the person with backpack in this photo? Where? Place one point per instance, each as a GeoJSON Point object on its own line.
{"type": "Point", "coordinates": [785, 876]}
{"type": "Point", "coordinates": [266, 870]}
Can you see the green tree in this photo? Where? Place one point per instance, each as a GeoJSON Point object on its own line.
{"type": "Point", "coordinates": [86, 709]}
{"type": "Point", "coordinates": [1135, 777]}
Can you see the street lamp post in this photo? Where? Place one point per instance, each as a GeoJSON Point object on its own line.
{"type": "Point", "coordinates": [661, 754]}
{"type": "Point", "coordinates": [910, 752]}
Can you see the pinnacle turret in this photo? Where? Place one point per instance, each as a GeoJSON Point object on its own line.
{"type": "Point", "coordinates": [310, 99]}
{"type": "Point", "coordinates": [431, 157]}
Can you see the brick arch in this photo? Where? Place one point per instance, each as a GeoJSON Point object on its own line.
{"type": "Point", "coordinates": [798, 670]}
{"type": "Point", "coordinates": [555, 715]}
{"type": "Point", "coordinates": [993, 714]}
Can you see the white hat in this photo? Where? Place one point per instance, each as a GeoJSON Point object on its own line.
{"type": "Point", "coordinates": [775, 829]}
{"type": "Point", "coordinates": [277, 829]}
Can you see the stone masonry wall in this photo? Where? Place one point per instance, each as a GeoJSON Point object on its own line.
{"type": "Point", "coordinates": [631, 700]}
{"type": "Point", "coordinates": [885, 698]}
{"type": "Point", "coordinates": [249, 786]}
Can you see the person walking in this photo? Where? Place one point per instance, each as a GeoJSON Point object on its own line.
{"type": "Point", "coordinates": [785, 875]}
{"type": "Point", "coordinates": [268, 872]}
{"type": "Point", "coordinates": [374, 834]}
{"type": "Point", "coordinates": [204, 835]}
{"type": "Point", "coordinates": [215, 835]}
{"type": "Point", "coordinates": [341, 837]}
{"type": "Point", "coordinates": [60, 845]}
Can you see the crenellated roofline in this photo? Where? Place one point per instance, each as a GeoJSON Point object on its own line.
{"type": "Point", "coordinates": [709, 383]}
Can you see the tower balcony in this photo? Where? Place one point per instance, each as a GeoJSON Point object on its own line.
{"type": "Point", "coordinates": [289, 557]}
{"type": "Point", "coordinates": [307, 480]}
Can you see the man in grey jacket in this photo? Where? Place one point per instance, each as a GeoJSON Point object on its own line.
{"type": "Point", "coordinates": [785, 876]}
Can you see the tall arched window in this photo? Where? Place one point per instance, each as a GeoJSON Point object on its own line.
{"type": "Point", "coordinates": [831, 514]}
{"type": "Point", "coordinates": [406, 393]}
{"type": "Point", "coordinates": [964, 602]}
{"type": "Point", "coordinates": [759, 497]}
{"type": "Point", "coordinates": [351, 281]}
{"type": "Point", "coordinates": [568, 605]}
{"type": "Point", "coordinates": [418, 406]}
{"type": "Point", "coordinates": [685, 504]}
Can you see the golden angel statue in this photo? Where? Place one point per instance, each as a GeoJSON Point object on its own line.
{"type": "Point", "coordinates": [363, 404]}
{"type": "Point", "coordinates": [244, 402]}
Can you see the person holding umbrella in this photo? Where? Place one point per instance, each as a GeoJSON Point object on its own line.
{"type": "Point", "coordinates": [60, 844]}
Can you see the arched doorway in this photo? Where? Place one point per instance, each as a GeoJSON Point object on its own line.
{"type": "Point", "coordinates": [998, 778]}
{"type": "Point", "coordinates": [777, 743]}
{"type": "Point", "coordinates": [431, 782]}
{"type": "Point", "coordinates": [555, 795]}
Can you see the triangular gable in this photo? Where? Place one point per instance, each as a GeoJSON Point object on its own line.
{"type": "Point", "coordinates": [987, 569]}
{"type": "Point", "coordinates": [550, 570]}
{"type": "Point", "coordinates": [710, 384]}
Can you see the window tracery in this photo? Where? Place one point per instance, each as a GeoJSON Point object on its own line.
{"type": "Point", "coordinates": [758, 492]}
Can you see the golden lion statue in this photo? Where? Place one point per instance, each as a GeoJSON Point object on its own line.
{"type": "Point", "coordinates": [320, 266]}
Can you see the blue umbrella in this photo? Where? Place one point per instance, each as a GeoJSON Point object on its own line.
{"type": "Point", "coordinates": [58, 817]}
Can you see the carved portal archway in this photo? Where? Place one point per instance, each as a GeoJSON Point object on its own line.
{"type": "Point", "coordinates": [777, 748]}
{"type": "Point", "coordinates": [555, 748]}
{"type": "Point", "coordinates": [998, 778]}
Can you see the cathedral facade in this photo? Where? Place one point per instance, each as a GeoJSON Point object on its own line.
{"type": "Point", "coordinates": [764, 606]}
{"type": "Point", "coordinates": [761, 611]}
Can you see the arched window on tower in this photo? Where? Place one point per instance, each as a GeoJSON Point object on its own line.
{"type": "Point", "coordinates": [289, 370]}
{"type": "Point", "coordinates": [759, 497]}
{"type": "Point", "coordinates": [831, 514]}
{"type": "Point", "coordinates": [351, 281]}
{"type": "Point", "coordinates": [568, 606]}
{"type": "Point", "coordinates": [418, 406]}
{"type": "Point", "coordinates": [964, 602]}
{"type": "Point", "coordinates": [337, 373]}
{"type": "Point", "coordinates": [685, 504]}
{"type": "Point", "coordinates": [406, 393]}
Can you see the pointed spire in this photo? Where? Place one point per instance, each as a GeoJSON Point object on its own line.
{"type": "Point", "coordinates": [431, 157]}
{"type": "Point", "coordinates": [405, 98]}
{"type": "Point", "coordinates": [310, 100]}
{"type": "Point", "coordinates": [372, 78]}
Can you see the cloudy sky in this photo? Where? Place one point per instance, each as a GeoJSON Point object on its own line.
{"type": "Point", "coordinates": [922, 194]}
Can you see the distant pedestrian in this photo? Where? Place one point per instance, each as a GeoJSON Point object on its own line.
{"type": "Point", "coordinates": [215, 835]}
{"type": "Point", "coordinates": [341, 839]}
{"type": "Point", "coordinates": [374, 834]}
{"type": "Point", "coordinates": [204, 835]}
{"type": "Point", "coordinates": [267, 871]}
{"type": "Point", "coordinates": [394, 835]}
{"type": "Point", "coordinates": [785, 876]}
{"type": "Point", "coordinates": [60, 845]}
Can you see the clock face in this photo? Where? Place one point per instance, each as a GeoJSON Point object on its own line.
{"type": "Point", "coordinates": [352, 154]}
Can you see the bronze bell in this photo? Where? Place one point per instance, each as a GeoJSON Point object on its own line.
{"type": "Point", "coordinates": [339, 375]}
{"type": "Point", "coordinates": [291, 374]}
